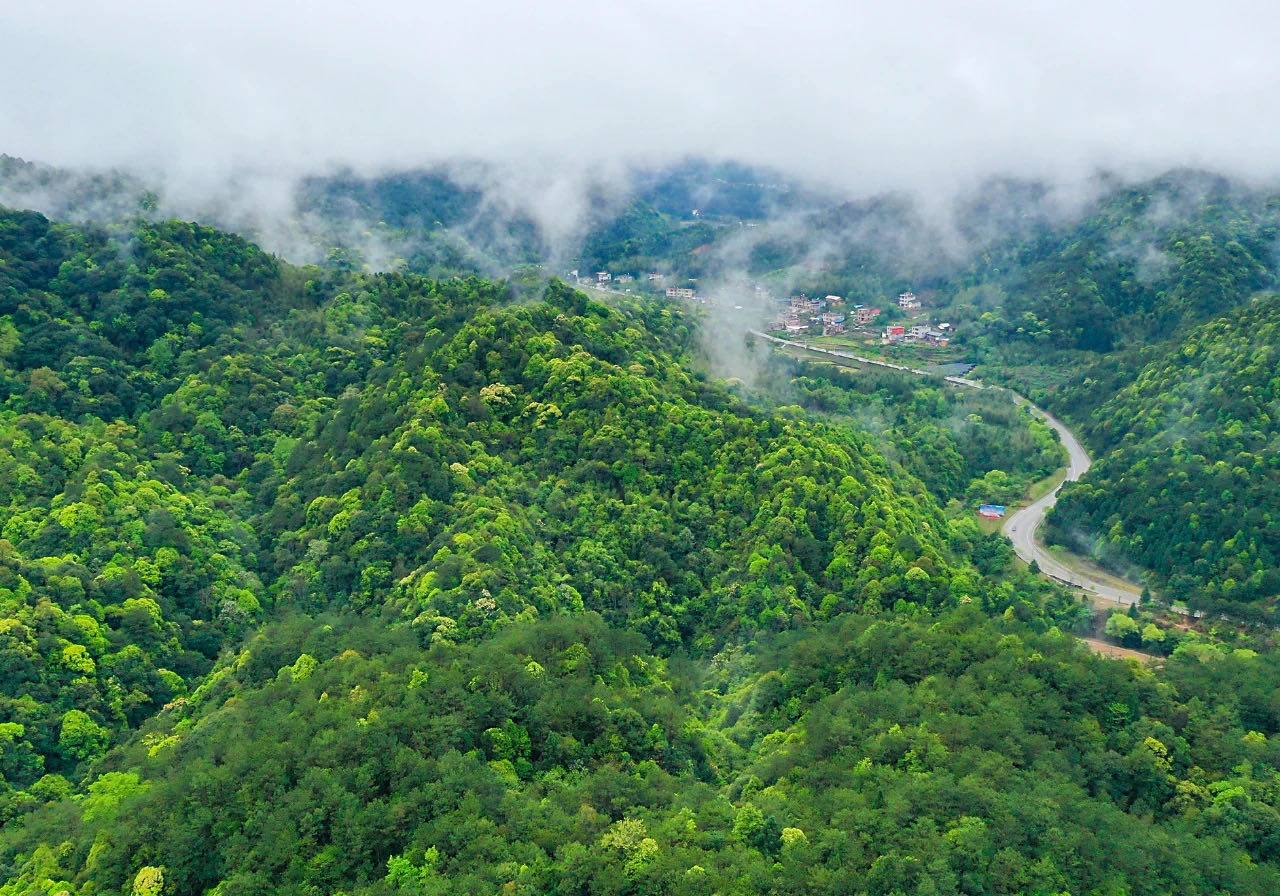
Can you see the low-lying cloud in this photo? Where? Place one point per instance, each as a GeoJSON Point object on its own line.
{"type": "Point", "coordinates": [927, 96]}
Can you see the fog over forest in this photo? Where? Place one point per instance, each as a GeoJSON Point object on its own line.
{"type": "Point", "coordinates": [923, 96]}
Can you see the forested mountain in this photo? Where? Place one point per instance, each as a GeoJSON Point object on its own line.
{"type": "Point", "coordinates": [74, 195]}
{"type": "Point", "coordinates": [1107, 322]}
{"type": "Point", "coordinates": [433, 221]}
{"type": "Point", "coordinates": [460, 218]}
{"type": "Point", "coordinates": [944, 755]}
{"type": "Point", "coordinates": [122, 578]}
{"type": "Point", "coordinates": [1132, 268]}
{"type": "Point", "coordinates": [316, 580]}
{"type": "Point", "coordinates": [329, 581]}
{"type": "Point", "coordinates": [728, 190]}
{"type": "Point", "coordinates": [195, 436]}
{"type": "Point", "coordinates": [1189, 484]}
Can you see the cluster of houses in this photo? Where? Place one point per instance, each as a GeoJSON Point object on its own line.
{"type": "Point", "coordinates": [926, 333]}
{"type": "Point", "coordinates": [685, 293]}
{"type": "Point", "coordinates": [923, 333]}
{"type": "Point", "coordinates": [603, 277]}
{"type": "Point", "coordinates": [803, 314]}
{"type": "Point", "coordinates": [862, 315]}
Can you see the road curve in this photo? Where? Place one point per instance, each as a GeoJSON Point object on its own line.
{"type": "Point", "coordinates": [1020, 528]}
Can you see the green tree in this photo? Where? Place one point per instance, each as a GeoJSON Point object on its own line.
{"type": "Point", "coordinates": [81, 739]}
{"type": "Point", "coordinates": [1121, 627]}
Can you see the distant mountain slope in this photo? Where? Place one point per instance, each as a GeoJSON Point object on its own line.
{"type": "Point", "coordinates": [1136, 265]}
{"type": "Point", "coordinates": [723, 189]}
{"type": "Point", "coordinates": [74, 195]}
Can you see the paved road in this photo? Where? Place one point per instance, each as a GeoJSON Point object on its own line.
{"type": "Point", "coordinates": [1021, 527]}
{"type": "Point", "coordinates": [955, 380]}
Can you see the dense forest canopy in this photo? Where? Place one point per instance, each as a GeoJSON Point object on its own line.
{"type": "Point", "coordinates": [327, 580]}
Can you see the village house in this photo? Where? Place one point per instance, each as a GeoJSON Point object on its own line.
{"type": "Point", "coordinates": [929, 334]}
{"type": "Point", "coordinates": [603, 276]}
{"type": "Point", "coordinates": [802, 304]}
{"type": "Point", "coordinates": [863, 315]}
{"type": "Point", "coordinates": [907, 301]}
{"type": "Point", "coordinates": [938, 335]}
{"type": "Point", "coordinates": [679, 292]}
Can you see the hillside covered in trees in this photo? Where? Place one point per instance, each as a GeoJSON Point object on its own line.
{"type": "Point", "coordinates": [1189, 485]}
{"type": "Point", "coordinates": [323, 581]}
{"type": "Point", "coordinates": [1148, 323]}
{"type": "Point", "coordinates": [1130, 269]}
{"type": "Point", "coordinates": [507, 547]}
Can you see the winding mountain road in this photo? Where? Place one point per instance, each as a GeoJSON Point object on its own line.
{"type": "Point", "coordinates": [1020, 528]}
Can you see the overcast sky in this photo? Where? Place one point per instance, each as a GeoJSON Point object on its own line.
{"type": "Point", "coordinates": [870, 95]}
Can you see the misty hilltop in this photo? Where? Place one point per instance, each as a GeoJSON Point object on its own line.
{"type": "Point", "coordinates": [710, 221]}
